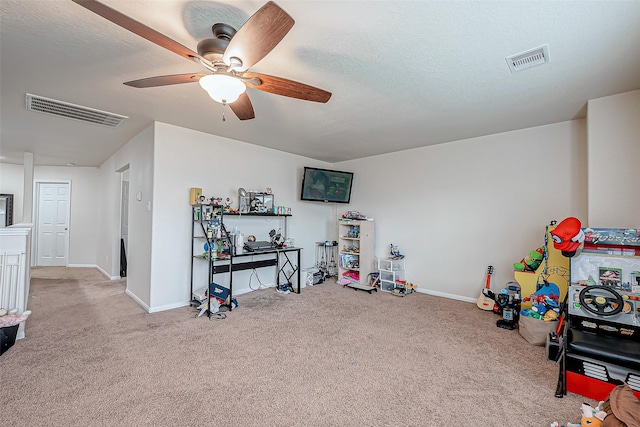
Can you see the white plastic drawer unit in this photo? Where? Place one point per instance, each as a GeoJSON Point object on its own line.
{"type": "Point", "coordinates": [391, 276]}
{"type": "Point", "coordinates": [391, 264]}
{"type": "Point", "coordinates": [387, 286]}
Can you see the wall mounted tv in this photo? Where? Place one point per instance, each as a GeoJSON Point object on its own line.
{"type": "Point", "coordinates": [324, 185]}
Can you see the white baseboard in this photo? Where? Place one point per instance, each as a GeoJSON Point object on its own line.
{"type": "Point", "coordinates": [107, 274]}
{"type": "Point", "coordinates": [154, 309]}
{"type": "Point", "coordinates": [248, 290]}
{"type": "Point", "coordinates": [168, 307]}
{"type": "Point", "coordinates": [181, 304]}
{"type": "Point", "coordinates": [138, 300]}
{"type": "Point", "coordinates": [97, 267]}
{"type": "Point", "coordinates": [446, 295]}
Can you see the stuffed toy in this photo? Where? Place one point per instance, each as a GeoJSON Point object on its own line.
{"type": "Point", "coordinates": [568, 236]}
{"type": "Point", "coordinates": [622, 408]}
{"type": "Point", "coordinates": [11, 317]}
{"type": "Point", "coordinates": [531, 262]}
{"type": "Point", "coordinates": [591, 417]}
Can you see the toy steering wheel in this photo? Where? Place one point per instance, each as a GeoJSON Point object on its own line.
{"type": "Point", "coordinates": [599, 304]}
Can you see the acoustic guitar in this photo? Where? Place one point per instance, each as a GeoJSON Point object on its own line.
{"type": "Point", "coordinates": [484, 302]}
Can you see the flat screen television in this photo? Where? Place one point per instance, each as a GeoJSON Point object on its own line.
{"type": "Point", "coordinates": [324, 185]}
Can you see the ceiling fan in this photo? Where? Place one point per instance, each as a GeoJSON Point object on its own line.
{"type": "Point", "coordinates": [227, 56]}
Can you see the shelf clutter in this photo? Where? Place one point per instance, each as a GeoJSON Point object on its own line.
{"type": "Point", "coordinates": [358, 268]}
{"type": "Point", "coordinates": [391, 274]}
{"type": "Point", "coordinates": [356, 259]}
{"type": "Point", "coordinates": [226, 253]}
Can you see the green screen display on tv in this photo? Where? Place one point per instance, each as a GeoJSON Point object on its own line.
{"type": "Point", "coordinates": [324, 185]}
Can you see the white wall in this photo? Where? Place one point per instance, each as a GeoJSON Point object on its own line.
{"type": "Point", "coordinates": [108, 251]}
{"type": "Point", "coordinates": [185, 158]}
{"type": "Point", "coordinates": [85, 204]}
{"type": "Point", "coordinates": [12, 182]}
{"type": "Point", "coordinates": [138, 155]}
{"type": "Point", "coordinates": [455, 208]}
{"type": "Point", "coordinates": [614, 156]}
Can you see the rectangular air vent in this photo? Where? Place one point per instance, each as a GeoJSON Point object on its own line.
{"type": "Point", "coordinates": [531, 58]}
{"type": "Point", "coordinates": [73, 111]}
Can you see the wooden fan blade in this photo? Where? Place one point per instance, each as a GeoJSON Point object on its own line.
{"type": "Point", "coordinates": [165, 80]}
{"type": "Point", "coordinates": [285, 87]}
{"type": "Point", "coordinates": [138, 28]}
{"type": "Point", "coordinates": [255, 39]}
{"type": "Point", "coordinates": [243, 108]}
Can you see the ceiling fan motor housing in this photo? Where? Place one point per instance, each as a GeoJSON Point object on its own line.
{"type": "Point", "coordinates": [214, 48]}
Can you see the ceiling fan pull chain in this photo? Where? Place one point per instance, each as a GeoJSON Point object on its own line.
{"type": "Point", "coordinates": [224, 104]}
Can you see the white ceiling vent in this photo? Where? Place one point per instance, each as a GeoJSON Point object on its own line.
{"type": "Point", "coordinates": [72, 111]}
{"type": "Point", "coordinates": [528, 59]}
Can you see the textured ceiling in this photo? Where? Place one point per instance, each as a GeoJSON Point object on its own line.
{"type": "Point", "coordinates": [403, 74]}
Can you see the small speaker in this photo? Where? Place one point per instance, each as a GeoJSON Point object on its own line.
{"type": "Point", "coordinates": [552, 347]}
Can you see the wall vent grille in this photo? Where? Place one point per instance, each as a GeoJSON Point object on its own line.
{"type": "Point", "coordinates": [54, 107]}
{"type": "Point", "coordinates": [531, 58]}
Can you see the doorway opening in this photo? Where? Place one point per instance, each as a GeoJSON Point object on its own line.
{"type": "Point", "coordinates": [124, 220]}
{"type": "Point", "coordinates": [52, 212]}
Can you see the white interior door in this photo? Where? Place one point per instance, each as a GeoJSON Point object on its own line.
{"type": "Point", "coordinates": [53, 223]}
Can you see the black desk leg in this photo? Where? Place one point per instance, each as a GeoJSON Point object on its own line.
{"type": "Point", "coordinates": [295, 268]}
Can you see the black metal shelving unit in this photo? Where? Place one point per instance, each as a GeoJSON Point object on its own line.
{"type": "Point", "coordinates": [206, 221]}
{"type": "Point", "coordinates": [207, 217]}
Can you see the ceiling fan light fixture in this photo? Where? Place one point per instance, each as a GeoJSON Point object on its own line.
{"type": "Point", "coordinates": [223, 88]}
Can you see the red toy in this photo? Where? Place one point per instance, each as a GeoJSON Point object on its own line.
{"type": "Point", "coordinates": [568, 236]}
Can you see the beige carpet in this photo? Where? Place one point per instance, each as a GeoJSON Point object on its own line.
{"type": "Point", "coordinates": [327, 357]}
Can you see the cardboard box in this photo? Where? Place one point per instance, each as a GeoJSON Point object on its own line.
{"type": "Point", "coordinates": [194, 195]}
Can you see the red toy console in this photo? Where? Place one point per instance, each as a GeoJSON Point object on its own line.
{"type": "Point", "coordinates": [601, 340]}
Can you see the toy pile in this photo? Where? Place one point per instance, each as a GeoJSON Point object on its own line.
{"type": "Point", "coordinates": [537, 322]}
{"type": "Point", "coordinates": [620, 409]}
{"type": "Point", "coordinates": [402, 288]}
{"type": "Point", "coordinates": [544, 303]}
{"type": "Point", "coordinates": [354, 215]}
{"type": "Point", "coordinates": [395, 252]}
